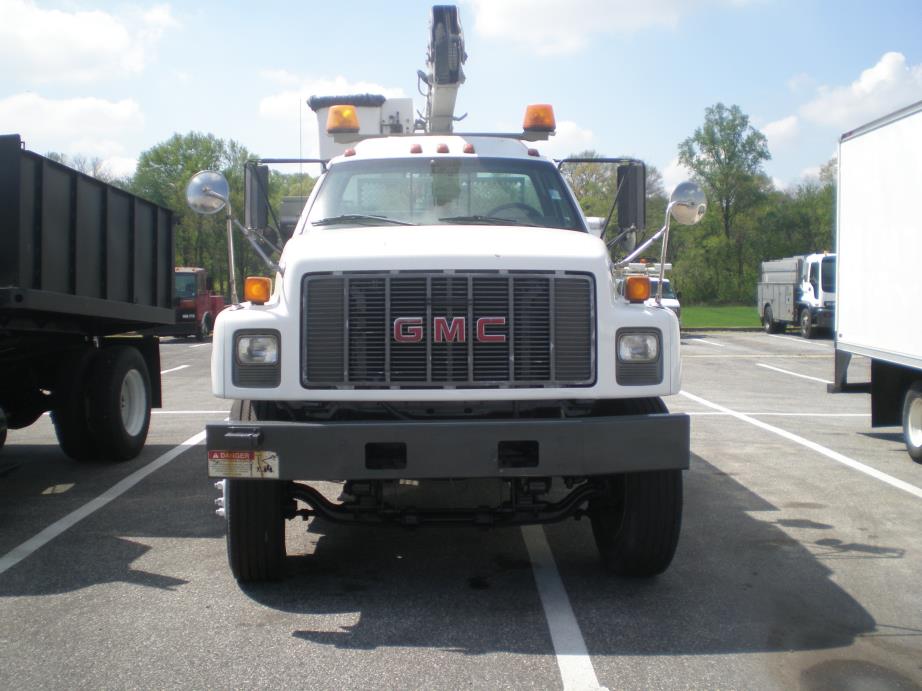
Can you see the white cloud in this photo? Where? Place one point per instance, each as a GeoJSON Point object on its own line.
{"type": "Point", "coordinates": [781, 132]}
{"type": "Point", "coordinates": [810, 172]}
{"type": "Point", "coordinates": [881, 89]}
{"type": "Point", "coordinates": [570, 139]}
{"type": "Point", "coordinates": [88, 126]}
{"type": "Point", "coordinates": [673, 173]}
{"type": "Point", "coordinates": [552, 27]}
{"type": "Point", "coordinates": [119, 166]}
{"type": "Point", "coordinates": [800, 82]}
{"type": "Point", "coordinates": [43, 45]}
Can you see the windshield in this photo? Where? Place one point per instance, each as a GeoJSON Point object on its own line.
{"type": "Point", "coordinates": [828, 274]}
{"type": "Point", "coordinates": [667, 288]}
{"type": "Point", "coordinates": [185, 285]}
{"type": "Point", "coordinates": [444, 191]}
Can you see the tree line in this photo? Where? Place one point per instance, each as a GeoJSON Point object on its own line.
{"type": "Point", "coordinates": [714, 262]}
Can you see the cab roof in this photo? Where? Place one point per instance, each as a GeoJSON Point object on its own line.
{"type": "Point", "coordinates": [434, 145]}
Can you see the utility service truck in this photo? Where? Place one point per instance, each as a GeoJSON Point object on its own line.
{"type": "Point", "coordinates": [441, 326]}
{"type": "Point", "coordinates": [879, 245]}
{"type": "Point", "coordinates": [798, 290]}
{"type": "Point", "coordinates": [80, 263]}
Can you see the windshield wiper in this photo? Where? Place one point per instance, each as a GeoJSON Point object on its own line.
{"type": "Point", "coordinates": [361, 219]}
{"type": "Point", "coordinates": [485, 220]}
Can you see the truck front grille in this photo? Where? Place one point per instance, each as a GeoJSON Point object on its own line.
{"type": "Point", "coordinates": [462, 330]}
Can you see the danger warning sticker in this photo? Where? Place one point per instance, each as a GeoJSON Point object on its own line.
{"type": "Point", "coordinates": [258, 464]}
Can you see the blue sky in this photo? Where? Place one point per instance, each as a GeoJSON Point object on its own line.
{"type": "Point", "coordinates": [111, 79]}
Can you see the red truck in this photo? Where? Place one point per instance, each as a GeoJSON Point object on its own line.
{"type": "Point", "coordinates": [195, 303]}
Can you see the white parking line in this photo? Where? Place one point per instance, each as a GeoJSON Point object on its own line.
{"type": "Point", "coordinates": [573, 660]}
{"type": "Point", "coordinates": [828, 453]}
{"type": "Point", "coordinates": [715, 413]}
{"type": "Point", "coordinates": [189, 412]}
{"type": "Point", "coordinates": [800, 341]}
{"type": "Point", "coordinates": [710, 343]}
{"type": "Point", "coordinates": [17, 554]}
{"type": "Point", "coordinates": [174, 369]}
{"type": "Point", "coordinates": [793, 374]}
{"type": "Point", "coordinates": [199, 345]}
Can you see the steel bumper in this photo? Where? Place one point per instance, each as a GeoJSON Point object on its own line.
{"type": "Point", "coordinates": [573, 447]}
{"type": "Point", "coordinates": [825, 318]}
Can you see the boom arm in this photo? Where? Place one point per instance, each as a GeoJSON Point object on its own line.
{"type": "Point", "coordinates": [444, 60]}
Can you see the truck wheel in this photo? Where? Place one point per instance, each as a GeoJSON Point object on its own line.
{"type": "Point", "coordinates": [70, 412]}
{"type": "Point", "coordinates": [255, 521]}
{"type": "Point", "coordinates": [768, 322]}
{"type": "Point", "coordinates": [637, 520]}
{"type": "Point", "coordinates": [912, 421]}
{"type": "Point", "coordinates": [806, 324]}
{"type": "Point", "coordinates": [204, 328]}
{"type": "Point", "coordinates": [120, 398]}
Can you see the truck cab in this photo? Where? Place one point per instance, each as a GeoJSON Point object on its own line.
{"type": "Point", "coordinates": [194, 302]}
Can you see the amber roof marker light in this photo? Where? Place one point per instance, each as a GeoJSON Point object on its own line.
{"type": "Point", "coordinates": [539, 117]}
{"type": "Point", "coordinates": [342, 119]}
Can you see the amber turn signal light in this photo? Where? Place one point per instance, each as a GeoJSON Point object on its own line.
{"type": "Point", "coordinates": [539, 117]}
{"type": "Point", "coordinates": [636, 288]}
{"type": "Point", "coordinates": [342, 119]}
{"type": "Point", "coordinates": [257, 289]}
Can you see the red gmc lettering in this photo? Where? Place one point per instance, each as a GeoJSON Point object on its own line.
{"type": "Point", "coordinates": [443, 331]}
{"type": "Point", "coordinates": [485, 337]}
{"type": "Point", "coordinates": [408, 329]}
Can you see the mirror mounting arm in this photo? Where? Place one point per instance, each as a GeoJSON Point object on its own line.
{"type": "Point", "coordinates": [231, 273]}
{"type": "Point", "coordinates": [252, 239]}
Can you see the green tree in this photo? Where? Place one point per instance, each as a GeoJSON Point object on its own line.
{"type": "Point", "coordinates": [726, 154]}
{"type": "Point", "coordinates": [162, 175]}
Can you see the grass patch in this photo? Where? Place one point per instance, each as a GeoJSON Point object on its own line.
{"type": "Point", "coordinates": [720, 317]}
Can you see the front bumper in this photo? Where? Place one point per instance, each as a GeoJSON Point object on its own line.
{"type": "Point", "coordinates": [377, 450]}
{"type": "Point", "coordinates": [824, 318]}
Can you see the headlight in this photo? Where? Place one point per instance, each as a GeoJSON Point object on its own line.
{"type": "Point", "coordinates": [638, 347]}
{"type": "Point", "coordinates": [257, 349]}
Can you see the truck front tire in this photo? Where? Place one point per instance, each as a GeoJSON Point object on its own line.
{"type": "Point", "coordinates": [806, 324]}
{"type": "Point", "coordinates": [204, 328]}
{"type": "Point", "coordinates": [255, 521]}
{"type": "Point", "coordinates": [637, 520]}
{"type": "Point", "coordinates": [912, 421]}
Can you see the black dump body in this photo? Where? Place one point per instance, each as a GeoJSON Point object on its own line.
{"type": "Point", "coordinates": [77, 255]}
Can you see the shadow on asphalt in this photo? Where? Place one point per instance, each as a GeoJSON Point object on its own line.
{"type": "Point", "coordinates": [174, 502]}
{"type": "Point", "coordinates": [738, 584]}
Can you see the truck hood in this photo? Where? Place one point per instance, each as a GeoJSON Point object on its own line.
{"type": "Point", "coordinates": [443, 247]}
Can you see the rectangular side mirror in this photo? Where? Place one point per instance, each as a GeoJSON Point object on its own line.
{"type": "Point", "coordinates": [632, 196]}
{"type": "Point", "coordinates": [256, 196]}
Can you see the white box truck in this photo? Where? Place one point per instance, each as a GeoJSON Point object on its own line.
{"type": "Point", "coordinates": [879, 246]}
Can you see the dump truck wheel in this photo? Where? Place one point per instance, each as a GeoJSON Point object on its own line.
{"type": "Point", "coordinates": [120, 398]}
{"type": "Point", "coordinates": [70, 414]}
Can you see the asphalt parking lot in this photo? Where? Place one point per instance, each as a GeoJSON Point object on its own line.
{"type": "Point", "coordinates": [798, 565]}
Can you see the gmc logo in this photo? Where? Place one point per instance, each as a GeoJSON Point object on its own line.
{"type": "Point", "coordinates": [410, 330]}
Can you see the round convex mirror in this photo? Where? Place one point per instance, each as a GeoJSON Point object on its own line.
{"type": "Point", "coordinates": [207, 192]}
{"type": "Point", "coordinates": [688, 203]}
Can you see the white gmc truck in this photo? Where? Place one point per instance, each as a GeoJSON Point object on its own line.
{"type": "Point", "coordinates": [443, 319]}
